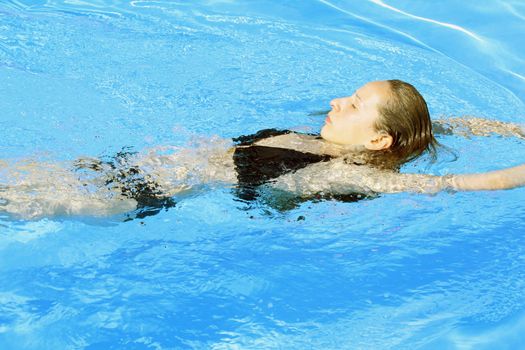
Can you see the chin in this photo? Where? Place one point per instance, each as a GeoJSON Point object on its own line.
{"type": "Point", "coordinates": [327, 135]}
{"type": "Point", "coordinates": [323, 132]}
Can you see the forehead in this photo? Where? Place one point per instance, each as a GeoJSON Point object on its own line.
{"type": "Point", "coordinates": [379, 90]}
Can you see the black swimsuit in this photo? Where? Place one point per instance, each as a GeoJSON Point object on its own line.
{"type": "Point", "coordinates": [132, 182]}
{"type": "Point", "coordinates": [257, 164]}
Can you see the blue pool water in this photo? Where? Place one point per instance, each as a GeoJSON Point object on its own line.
{"type": "Point", "coordinates": [401, 271]}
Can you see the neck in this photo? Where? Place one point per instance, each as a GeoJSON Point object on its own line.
{"type": "Point", "coordinates": [337, 149]}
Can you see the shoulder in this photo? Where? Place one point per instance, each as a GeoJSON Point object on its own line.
{"type": "Point", "coordinates": [245, 140]}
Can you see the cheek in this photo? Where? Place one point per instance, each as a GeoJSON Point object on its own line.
{"type": "Point", "coordinates": [346, 126]}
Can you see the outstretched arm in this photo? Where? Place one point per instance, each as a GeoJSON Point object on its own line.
{"type": "Point", "coordinates": [492, 180]}
{"type": "Point", "coordinates": [471, 126]}
{"type": "Point", "coordinates": [337, 177]}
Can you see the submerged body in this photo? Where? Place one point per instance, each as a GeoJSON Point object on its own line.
{"type": "Point", "coordinates": [302, 165]}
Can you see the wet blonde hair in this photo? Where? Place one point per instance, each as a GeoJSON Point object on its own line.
{"type": "Point", "coordinates": [405, 117]}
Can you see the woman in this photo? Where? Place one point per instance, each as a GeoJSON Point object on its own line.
{"type": "Point", "coordinates": [365, 139]}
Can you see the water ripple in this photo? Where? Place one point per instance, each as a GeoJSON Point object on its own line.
{"type": "Point", "coordinates": [444, 24]}
{"type": "Point", "coordinates": [375, 23]}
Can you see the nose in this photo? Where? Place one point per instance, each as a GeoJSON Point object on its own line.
{"type": "Point", "coordinates": [335, 105]}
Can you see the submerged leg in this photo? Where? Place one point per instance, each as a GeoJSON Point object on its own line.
{"type": "Point", "coordinates": [111, 185]}
{"type": "Point", "coordinates": [31, 190]}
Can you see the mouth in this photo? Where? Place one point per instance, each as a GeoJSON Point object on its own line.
{"type": "Point", "coordinates": [328, 120]}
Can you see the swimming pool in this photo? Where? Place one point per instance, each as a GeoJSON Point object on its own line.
{"type": "Point", "coordinates": [399, 271]}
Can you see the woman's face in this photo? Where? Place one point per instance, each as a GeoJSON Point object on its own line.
{"type": "Point", "coordinates": [351, 120]}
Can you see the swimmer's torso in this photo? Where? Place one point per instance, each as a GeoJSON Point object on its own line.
{"type": "Point", "coordinates": [270, 153]}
